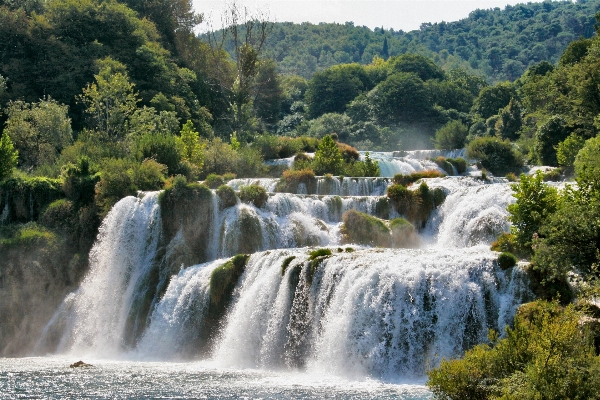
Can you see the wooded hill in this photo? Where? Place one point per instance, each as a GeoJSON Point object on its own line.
{"type": "Point", "coordinates": [498, 44]}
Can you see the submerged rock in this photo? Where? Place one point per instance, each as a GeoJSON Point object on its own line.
{"type": "Point", "coordinates": [80, 364]}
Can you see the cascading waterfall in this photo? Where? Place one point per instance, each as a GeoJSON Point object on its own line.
{"type": "Point", "coordinates": [361, 312]}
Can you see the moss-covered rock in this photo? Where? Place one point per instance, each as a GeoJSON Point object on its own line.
{"type": "Point", "coordinates": [361, 228]}
{"type": "Point", "coordinates": [315, 258]}
{"type": "Point", "coordinates": [254, 194]}
{"type": "Point", "coordinates": [213, 181]}
{"type": "Point", "coordinates": [403, 234]}
{"type": "Point", "coordinates": [291, 180]}
{"type": "Point", "coordinates": [223, 280]}
{"type": "Point", "coordinates": [227, 197]}
{"type": "Point", "coordinates": [184, 208]}
{"type": "Point", "coordinates": [415, 205]}
{"type": "Point", "coordinates": [23, 200]}
{"type": "Point", "coordinates": [286, 263]}
{"type": "Point", "coordinates": [444, 164]}
{"type": "Point", "coordinates": [406, 180]}
{"type": "Point", "coordinates": [507, 260]}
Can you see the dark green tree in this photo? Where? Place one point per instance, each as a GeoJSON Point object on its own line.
{"type": "Point", "coordinates": [328, 158]}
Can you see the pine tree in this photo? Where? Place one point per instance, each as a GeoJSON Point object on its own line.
{"type": "Point", "coordinates": [385, 51]}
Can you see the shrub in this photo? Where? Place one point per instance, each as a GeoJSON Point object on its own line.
{"type": "Point", "coordinates": [115, 183]}
{"type": "Point", "coordinates": [227, 197]}
{"type": "Point", "coordinates": [507, 260]}
{"type": "Point", "coordinates": [554, 175]}
{"type": "Point", "coordinates": [495, 154]}
{"type": "Point", "coordinates": [302, 161]}
{"type": "Point", "coordinates": [318, 253]}
{"type": "Point", "coordinates": [30, 235]}
{"type": "Point", "coordinates": [78, 182]}
{"type": "Point", "coordinates": [451, 136]}
{"type": "Point", "coordinates": [291, 179]}
{"type": "Point", "coordinates": [361, 228]}
{"type": "Point", "coordinates": [349, 153]}
{"type": "Point", "coordinates": [406, 180]}
{"type": "Point", "coordinates": [8, 156]}
{"type": "Point", "coordinates": [445, 165]}
{"type": "Point", "coordinates": [149, 175]}
{"type": "Point", "coordinates": [228, 176]}
{"type": "Point", "coordinates": [398, 192]}
{"type": "Point", "coordinates": [255, 194]}
{"type": "Point", "coordinates": [214, 181]}
{"type": "Point", "coordinates": [511, 177]}
{"type": "Point", "coordinates": [58, 214]}
{"type": "Point", "coordinates": [545, 355]}
{"type": "Point", "coordinates": [328, 158]}
{"type": "Point", "coordinates": [459, 163]}
{"type": "Point", "coordinates": [164, 149]}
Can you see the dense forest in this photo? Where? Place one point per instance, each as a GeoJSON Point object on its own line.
{"type": "Point", "coordinates": [104, 98]}
{"type": "Point", "coordinates": [498, 44]}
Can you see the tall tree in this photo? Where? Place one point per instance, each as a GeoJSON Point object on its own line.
{"type": "Point", "coordinates": [246, 32]}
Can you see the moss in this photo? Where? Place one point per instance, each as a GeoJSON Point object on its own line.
{"type": "Point", "coordinates": [184, 208]}
{"type": "Point", "coordinates": [415, 205]}
{"type": "Point", "coordinates": [459, 163]}
{"type": "Point", "coordinates": [445, 165]}
{"type": "Point", "coordinates": [292, 178]}
{"type": "Point", "coordinates": [349, 250]}
{"type": "Point", "coordinates": [224, 278]}
{"type": "Point", "coordinates": [227, 196]}
{"type": "Point", "coordinates": [364, 229]}
{"type": "Point", "coordinates": [316, 257]}
{"type": "Point", "coordinates": [406, 180]}
{"type": "Point", "coordinates": [286, 263]}
{"type": "Point", "coordinates": [507, 260]}
{"type": "Point", "coordinates": [254, 194]}
{"type": "Point", "coordinates": [439, 196]}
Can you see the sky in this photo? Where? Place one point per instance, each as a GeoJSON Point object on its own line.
{"type": "Point", "coordinates": [403, 15]}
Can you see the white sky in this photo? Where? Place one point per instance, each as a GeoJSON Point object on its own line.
{"type": "Point", "coordinates": [397, 14]}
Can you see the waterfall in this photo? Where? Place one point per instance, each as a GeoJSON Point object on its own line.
{"type": "Point", "coordinates": [360, 312]}
{"type": "Point", "coordinates": [377, 313]}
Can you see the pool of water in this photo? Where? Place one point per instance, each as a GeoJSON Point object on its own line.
{"type": "Point", "coordinates": [51, 377]}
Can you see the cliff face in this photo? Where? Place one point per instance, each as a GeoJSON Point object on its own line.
{"type": "Point", "coordinates": [34, 279]}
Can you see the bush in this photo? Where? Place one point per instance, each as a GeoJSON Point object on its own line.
{"type": "Point", "coordinates": [115, 183]}
{"type": "Point", "coordinates": [227, 196]}
{"type": "Point", "coordinates": [28, 197]}
{"type": "Point", "coordinates": [30, 236]}
{"type": "Point", "coordinates": [214, 181]}
{"type": "Point", "coordinates": [164, 149]}
{"type": "Point", "coordinates": [507, 260]}
{"type": "Point", "coordinates": [255, 194]}
{"type": "Point", "coordinates": [149, 175]}
{"type": "Point", "coordinates": [361, 228]}
{"type": "Point", "coordinates": [445, 165]}
{"type": "Point", "coordinates": [554, 175]}
{"type": "Point", "coordinates": [398, 192]}
{"type": "Point", "coordinates": [511, 177]}
{"type": "Point", "coordinates": [403, 233]}
{"type": "Point", "coordinates": [78, 182]}
{"type": "Point", "coordinates": [459, 163]}
{"type": "Point", "coordinates": [349, 153]}
{"type": "Point", "coordinates": [291, 179]}
{"type": "Point", "coordinates": [406, 180]}
{"type": "Point", "coordinates": [58, 215]}
{"type": "Point", "coordinates": [496, 155]}
{"type": "Point", "coordinates": [451, 136]}
{"type": "Point", "coordinates": [328, 158]}
{"type": "Point", "coordinates": [546, 355]}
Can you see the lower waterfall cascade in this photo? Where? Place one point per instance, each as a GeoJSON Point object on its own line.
{"type": "Point", "coordinates": [358, 312]}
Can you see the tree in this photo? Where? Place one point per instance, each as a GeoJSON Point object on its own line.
{"type": "Point", "coordinates": [269, 94]}
{"type": "Point", "coordinates": [246, 33]}
{"type": "Point", "coordinates": [193, 151]}
{"type": "Point", "coordinates": [330, 91]}
{"type": "Point", "coordinates": [492, 98]}
{"type": "Point", "coordinates": [328, 158]}
{"type": "Point", "coordinates": [402, 97]}
{"type": "Point", "coordinates": [536, 202]}
{"type": "Point", "coordinates": [422, 66]}
{"type": "Point", "coordinates": [111, 100]}
{"type": "Point", "coordinates": [547, 137]}
{"type": "Point", "coordinates": [451, 136]}
{"type": "Point", "coordinates": [8, 156]}
{"type": "Point", "coordinates": [510, 121]}
{"type": "Point", "coordinates": [39, 130]}
{"type": "Point", "coordinates": [587, 168]}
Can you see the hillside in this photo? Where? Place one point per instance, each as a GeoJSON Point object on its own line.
{"type": "Point", "coordinates": [495, 43]}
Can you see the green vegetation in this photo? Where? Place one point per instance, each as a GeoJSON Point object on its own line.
{"type": "Point", "coordinates": [507, 260]}
{"type": "Point", "coordinates": [495, 154]}
{"type": "Point", "coordinates": [547, 354]}
{"type": "Point", "coordinates": [224, 278]}
{"type": "Point", "coordinates": [406, 180]}
{"type": "Point", "coordinates": [315, 258]}
{"type": "Point", "coordinates": [415, 205]}
{"type": "Point", "coordinates": [227, 196]}
{"type": "Point", "coordinates": [361, 228]}
{"type": "Point", "coordinates": [255, 194]}
{"type": "Point", "coordinates": [286, 263]}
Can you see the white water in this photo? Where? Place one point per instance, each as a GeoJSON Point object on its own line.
{"type": "Point", "coordinates": [371, 314]}
{"type": "Point", "coordinates": [407, 162]}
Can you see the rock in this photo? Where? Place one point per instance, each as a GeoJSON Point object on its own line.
{"type": "Point", "coordinates": [80, 364]}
